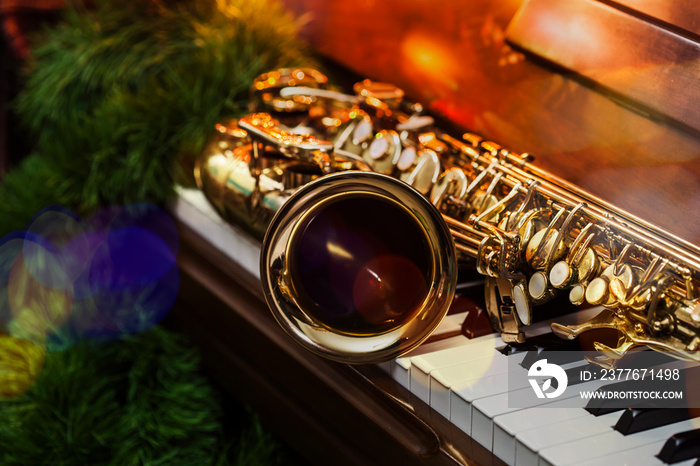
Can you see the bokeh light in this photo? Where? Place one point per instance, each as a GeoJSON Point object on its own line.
{"type": "Point", "coordinates": [67, 278]}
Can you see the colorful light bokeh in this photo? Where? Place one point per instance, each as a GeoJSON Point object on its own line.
{"type": "Point", "coordinates": [66, 278]}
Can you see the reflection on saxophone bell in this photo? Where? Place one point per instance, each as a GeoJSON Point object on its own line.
{"type": "Point", "coordinates": [366, 207]}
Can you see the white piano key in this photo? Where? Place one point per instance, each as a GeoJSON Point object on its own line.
{"type": "Point", "coordinates": [534, 440]}
{"type": "Point", "coordinates": [400, 371]}
{"type": "Point", "coordinates": [472, 350]}
{"type": "Point", "coordinates": [644, 455]}
{"type": "Point", "coordinates": [192, 208]}
{"type": "Point", "coordinates": [602, 445]}
{"type": "Point", "coordinates": [465, 375]}
{"type": "Point", "coordinates": [484, 410]}
{"type": "Point", "coordinates": [385, 366]}
{"type": "Point", "coordinates": [508, 425]}
{"type": "Point", "coordinates": [520, 434]}
{"type": "Point", "coordinates": [529, 440]}
{"type": "Point", "coordinates": [401, 367]}
{"type": "Point", "coordinates": [461, 400]}
{"type": "Point", "coordinates": [450, 326]}
{"type": "Point", "coordinates": [525, 456]}
{"type": "Point", "coordinates": [422, 367]}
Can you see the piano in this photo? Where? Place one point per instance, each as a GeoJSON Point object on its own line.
{"type": "Point", "coordinates": [632, 143]}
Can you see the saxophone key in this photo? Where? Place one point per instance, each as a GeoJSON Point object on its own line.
{"type": "Point", "coordinates": [562, 275]}
{"type": "Point", "coordinates": [538, 288]}
{"type": "Point", "coordinates": [266, 89]}
{"type": "Point", "coordinates": [407, 159]}
{"type": "Point", "coordinates": [431, 141]}
{"type": "Point", "coordinates": [536, 253]}
{"type": "Point", "coordinates": [598, 291]}
{"type": "Point", "coordinates": [425, 173]}
{"type": "Point", "coordinates": [416, 123]}
{"type": "Point", "coordinates": [577, 295]}
{"type": "Point", "coordinates": [383, 98]}
{"type": "Point", "coordinates": [624, 281]}
{"type": "Point", "coordinates": [384, 151]}
{"type": "Point", "coordinates": [363, 131]}
{"type": "Point", "coordinates": [523, 308]}
{"type": "Point", "coordinates": [452, 183]}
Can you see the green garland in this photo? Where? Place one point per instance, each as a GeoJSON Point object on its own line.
{"type": "Point", "coordinates": [138, 401]}
{"type": "Point", "coordinates": [115, 98]}
{"type": "Point", "coordinates": [116, 95]}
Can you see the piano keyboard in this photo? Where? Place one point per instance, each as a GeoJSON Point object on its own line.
{"type": "Point", "coordinates": [465, 382]}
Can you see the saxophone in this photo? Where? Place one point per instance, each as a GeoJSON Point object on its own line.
{"type": "Point", "coordinates": [367, 207]}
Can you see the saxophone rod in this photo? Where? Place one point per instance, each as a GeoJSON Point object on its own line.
{"type": "Point", "coordinates": [646, 232]}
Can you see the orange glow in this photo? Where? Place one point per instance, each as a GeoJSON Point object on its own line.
{"type": "Point", "coordinates": [430, 56]}
{"type": "Point", "coordinates": [589, 34]}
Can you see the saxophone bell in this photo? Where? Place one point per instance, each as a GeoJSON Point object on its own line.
{"type": "Point", "coordinates": [358, 267]}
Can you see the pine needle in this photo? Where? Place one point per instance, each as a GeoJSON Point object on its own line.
{"type": "Point", "coordinates": [115, 95]}
{"type": "Point", "coordinates": [138, 401]}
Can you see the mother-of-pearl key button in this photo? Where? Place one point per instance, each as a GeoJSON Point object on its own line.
{"type": "Point", "coordinates": [363, 131]}
{"type": "Point", "coordinates": [407, 158]}
{"type": "Point", "coordinates": [378, 148]}
{"type": "Point", "coordinates": [602, 445]}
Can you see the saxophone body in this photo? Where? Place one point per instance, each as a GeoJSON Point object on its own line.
{"type": "Point", "coordinates": [366, 206]}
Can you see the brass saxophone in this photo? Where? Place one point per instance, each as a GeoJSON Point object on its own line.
{"type": "Point", "coordinates": [366, 207]}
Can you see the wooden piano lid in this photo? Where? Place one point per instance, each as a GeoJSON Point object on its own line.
{"type": "Point", "coordinates": [455, 57]}
{"type": "Point", "coordinates": [630, 50]}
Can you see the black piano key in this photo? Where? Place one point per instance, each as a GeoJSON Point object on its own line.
{"type": "Point", "coordinates": [639, 419]}
{"type": "Point", "coordinates": [598, 407]}
{"type": "Point", "coordinates": [680, 447]}
{"type": "Point", "coordinates": [557, 353]}
{"type": "Point", "coordinates": [477, 324]}
{"type": "Point", "coordinates": [536, 343]}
